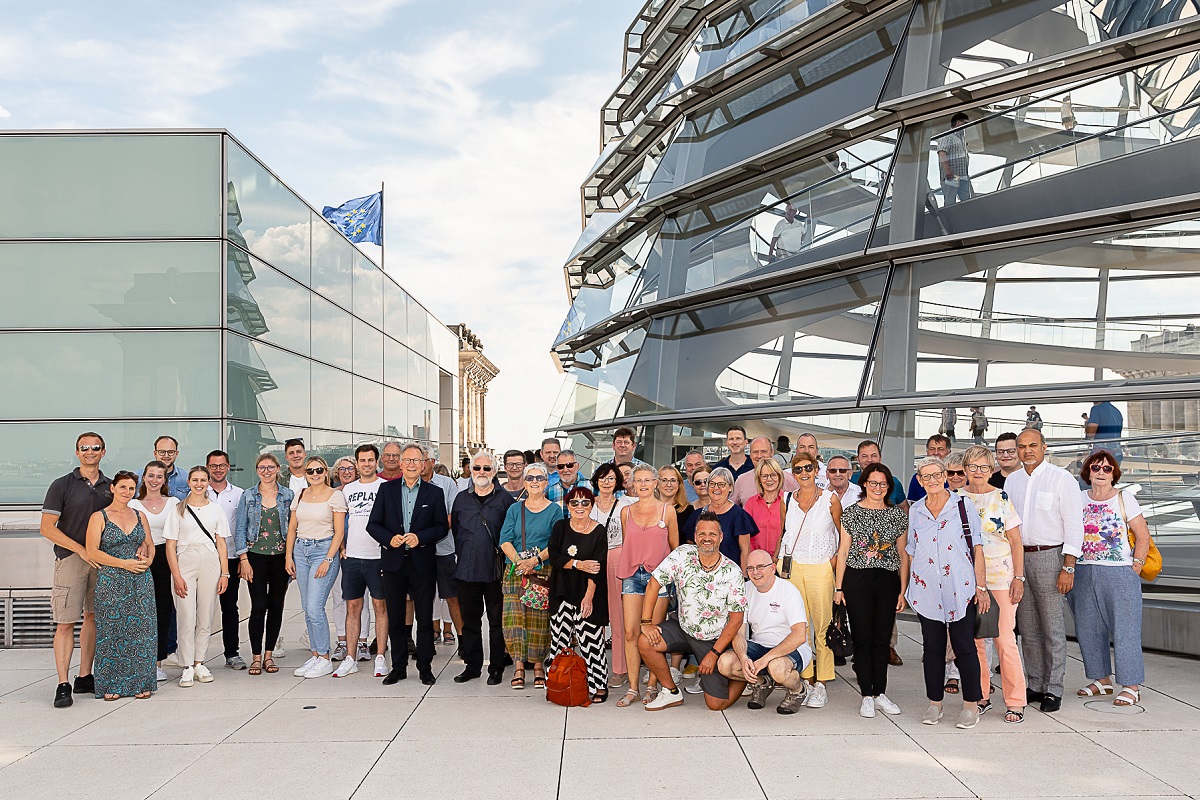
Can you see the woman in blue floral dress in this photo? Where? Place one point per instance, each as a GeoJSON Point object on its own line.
{"type": "Point", "coordinates": [118, 540]}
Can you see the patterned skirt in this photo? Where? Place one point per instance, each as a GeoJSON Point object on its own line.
{"type": "Point", "coordinates": [126, 633]}
{"type": "Point", "coordinates": [526, 630]}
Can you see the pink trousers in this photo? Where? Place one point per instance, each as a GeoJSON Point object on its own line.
{"type": "Point", "coordinates": [1012, 671]}
{"type": "Point", "coordinates": [616, 617]}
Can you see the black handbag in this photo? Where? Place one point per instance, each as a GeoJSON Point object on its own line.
{"type": "Point", "coordinates": [837, 635]}
{"type": "Point", "coordinates": [987, 623]}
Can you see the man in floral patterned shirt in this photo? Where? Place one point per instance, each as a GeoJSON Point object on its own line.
{"type": "Point", "coordinates": [712, 605]}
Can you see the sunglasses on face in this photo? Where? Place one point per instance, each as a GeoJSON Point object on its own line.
{"type": "Point", "coordinates": [700, 483]}
{"type": "Point", "coordinates": [480, 468]}
{"type": "Point", "coordinates": [536, 478]}
{"type": "Point", "coordinates": [1105, 468]}
{"type": "Point", "coordinates": [91, 448]}
{"type": "Point", "coordinates": [837, 470]}
{"type": "Point", "coordinates": [567, 465]}
{"type": "Point", "coordinates": [315, 471]}
{"type": "Point", "coordinates": [578, 503]}
{"type": "Point", "coordinates": [803, 468]}
{"type": "Point", "coordinates": [956, 473]}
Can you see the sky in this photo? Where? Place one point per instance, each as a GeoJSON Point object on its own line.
{"type": "Point", "coordinates": [481, 117]}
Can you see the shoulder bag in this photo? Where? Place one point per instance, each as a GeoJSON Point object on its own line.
{"type": "Point", "coordinates": [837, 635]}
{"type": "Point", "coordinates": [566, 680]}
{"type": "Point", "coordinates": [987, 623]}
{"type": "Point", "coordinates": [535, 587]}
{"type": "Point", "coordinates": [1154, 559]}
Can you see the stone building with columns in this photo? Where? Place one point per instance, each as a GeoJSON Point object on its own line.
{"type": "Point", "coordinates": [475, 371]}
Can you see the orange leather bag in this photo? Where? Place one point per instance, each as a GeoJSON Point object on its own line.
{"type": "Point", "coordinates": [566, 680]}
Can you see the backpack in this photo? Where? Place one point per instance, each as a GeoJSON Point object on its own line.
{"type": "Point", "coordinates": [566, 680]}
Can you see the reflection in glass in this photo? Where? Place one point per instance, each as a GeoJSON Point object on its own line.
{"type": "Point", "coordinates": [395, 307]}
{"type": "Point", "coordinates": [368, 351]}
{"type": "Point", "coordinates": [265, 383]}
{"type": "Point", "coordinates": [418, 375]}
{"type": "Point", "coordinates": [395, 413]}
{"type": "Point", "coordinates": [112, 284]}
{"type": "Point", "coordinates": [368, 291]}
{"type": "Point", "coordinates": [247, 439]}
{"type": "Point", "coordinates": [597, 380]}
{"type": "Point", "coordinates": [266, 304]}
{"type": "Point", "coordinates": [110, 186]}
{"type": "Point", "coordinates": [118, 374]}
{"type": "Point", "coordinates": [331, 263]}
{"type": "Point", "coordinates": [35, 453]}
{"type": "Point", "coordinates": [395, 363]}
{"type": "Point", "coordinates": [418, 327]}
{"type": "Point", "coordinates": [332, 398]}
{"type": "Point", "coordinates": [368, 406]}
{"type": "Point", "coordinates": [332, 334]}
{"type": "Point", "coordinates": [262, 212]}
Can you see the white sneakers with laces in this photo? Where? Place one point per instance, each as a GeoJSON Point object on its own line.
{"type": "Point", "coordinates": [381, 667]}
{"type": "Point", "coordinates": [301, 670]}
{"type": "Point", "coordinates": [347, 667]}
{"type": "Point", "coordinates": [323, 667]}
{"type": "Point", "coordinates": [867, 709]}
{"type": "Point", "coordinates": [188, 677]}
{"type": "Point", "coordinates": [665, 699]}
{"type": "Point", "coordinates": [884, 704]}
{"type": "Point", "coordinates": [202, 674]}
{"type": "Point", "coordinates": [818, 696]}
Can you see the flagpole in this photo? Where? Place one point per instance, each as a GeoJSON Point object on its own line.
{"type": "Point", "coordinates": [382, 250]}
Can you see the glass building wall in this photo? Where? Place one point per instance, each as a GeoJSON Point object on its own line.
{"type": "Point", "coordinates": [776, 235]}
{"type": "Point", "coordinates": [168, 283]}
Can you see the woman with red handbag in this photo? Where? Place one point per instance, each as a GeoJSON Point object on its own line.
{"type": "Point", "coordinates": [579, 588]}
{"type": "Point", "coordinates": [523, 540]}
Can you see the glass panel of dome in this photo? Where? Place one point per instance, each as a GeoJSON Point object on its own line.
{"type": "Point", "coordinates": [265, 383]}
{"type": "Point", "coordinates": [331, 263]}
{"type": "Point", "coordinates": [266, 216]}
{"type": "Point", "coordinates": [265, 303]}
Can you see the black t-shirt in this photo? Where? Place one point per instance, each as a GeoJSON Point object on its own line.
{"type": "Point", "coordinates": [997, 479]}
{"type": "Point", "coordinates": [73, 500]}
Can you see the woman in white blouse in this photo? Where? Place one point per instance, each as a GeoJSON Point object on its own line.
{"type": "Point", "coordinates": [806, 556]}
{"type": "Point", "coordinates": [154, 501]}
{"type": "Point", "coordinates": [316, 528]}
{"type": "Point", "coordinates": [197, 550]}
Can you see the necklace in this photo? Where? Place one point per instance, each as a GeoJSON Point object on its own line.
{"type": "Point", "coordinates": [716, 563]}
{"type": "Point", "coordinates": [586, 521]}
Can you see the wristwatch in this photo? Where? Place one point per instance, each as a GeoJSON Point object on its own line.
{"type": "Point", "coordinates": [1069, 570]}
{"type": "Point", "coordinates": [1020, 578]}
{"type": "Point", "coordinates": [328, 559]}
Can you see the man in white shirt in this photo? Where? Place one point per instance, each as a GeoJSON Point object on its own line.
{"type": "Point", "coordinates": [361, 570]}
{"type": "Point", "coordinates": [745, 486]}
{"type": "Point", "coordinates": [790, 234]}
{"type": "Point", "coordinates": [838, 472]}
{"type": "Point", "coordinates": [294, 453]}
{"type": "Point", "coordinates": [807, 443]}
{"type": "Point", "coordinates": [776, 648]}
{"type": "Point", "coordinates": [1048, 502]}
{"type": "Point", "coordinates": [226, 495]}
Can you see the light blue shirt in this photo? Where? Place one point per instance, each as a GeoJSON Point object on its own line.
{"type": "Point", "coordinates": [942, 578]}
{"type": "Point", "coordinates": [408, 499]}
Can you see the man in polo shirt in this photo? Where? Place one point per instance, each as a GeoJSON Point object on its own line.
{"type": "Point", "coordinates": [624, 444]}
{"type": "Point", "coordinates": [227, 496]}
{"type": "Point", "coordinates": [736, 462]}
{"type": "Point", "coordinates": [70, 502]}
{"type": "Point", "coordinates": [868, 454]}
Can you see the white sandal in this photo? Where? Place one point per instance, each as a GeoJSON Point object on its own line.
{"type": "Point", "coordinates": [1120, 699]}
{"type": "Point", "coordinates": [1095, 688]}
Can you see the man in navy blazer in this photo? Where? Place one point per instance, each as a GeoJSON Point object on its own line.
{"type": "Point", "coordinates": [408, 518]}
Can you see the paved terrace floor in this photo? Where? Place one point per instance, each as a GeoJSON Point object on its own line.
{"type": "Point", "coordinates": [277, 736]}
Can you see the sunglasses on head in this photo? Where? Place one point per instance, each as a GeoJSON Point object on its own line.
{"type": "Point", "coordinates": [1105, 468]}
{"type": "Point", "coordinates": [315, 471]}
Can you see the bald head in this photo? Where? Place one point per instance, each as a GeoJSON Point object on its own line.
{"type": "Point", "coordinates": [760, 450]}
{"type": "Point", "coordinates": [760, 567]}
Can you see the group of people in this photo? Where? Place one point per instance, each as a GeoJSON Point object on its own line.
{"type": "Point", "coordinates": [729, 573]}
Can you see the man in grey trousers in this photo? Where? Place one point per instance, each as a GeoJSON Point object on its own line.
{"type": "Point", "coordinates": [1048, 501]}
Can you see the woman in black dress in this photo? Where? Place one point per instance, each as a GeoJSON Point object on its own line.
{"type": "Point", "coordinates": [579, 588]}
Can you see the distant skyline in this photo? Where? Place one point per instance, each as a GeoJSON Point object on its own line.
{"type": "Point", "coordinates": [481, 118]}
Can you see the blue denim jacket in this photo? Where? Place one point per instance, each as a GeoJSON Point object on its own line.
{"type": "Point", "coordinates": [249, 514]}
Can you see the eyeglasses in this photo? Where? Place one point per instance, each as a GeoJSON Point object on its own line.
{"type": "Point", "coordinates": [956, 473]}
{"type": "Point", "coordinates": [758, 567]}
{"type": "Point", "coordinates": [718, 485]}
{"type": "Point", "coordinates": [346, 469]}
{"type": "Point", "coordinates": [877, 484]}
{"type": "Point", "coordinates": [837, 470]}
{"type": "Point", "coordinates": [267, 467]}
{"type": "Point", "coordinates": [644, 481]}
{"type": "Point", "coordinates": [803, 468]}
{"type": "Point", "coordinates": [1105, 468]}
{"type": "Point", "coordinates": [390, 456]}
{"type": "Point", "coordinates": [163, 452]}
{"type": "Point", "coordinates": [412, 461]}
{"type": "Point", "coordinates": [1008, 451]}
{"type": "Point", "coordinates": [567, 465]}
{"type": "Point", "coordinates": [315, 471]}
{"type": "Point", "coordinates": [535, 478]}
{"type": "Point", "coordinates": [978, 468]}
{"type": "Point", "coordinates": [93, 448]}
{"type": "Point", "coordinates": [579, 503]}
{"type": "Point", "coordinates": [930, 476]}
{"type": "Point", "coordinates": [669, 480]}
{"type": "Point", "coordinates": [515, 465]}
{"type": "Point", "coordinates": [480, 468]}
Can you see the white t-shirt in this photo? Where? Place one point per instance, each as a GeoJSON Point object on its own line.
{"type": "Point", "coordinates": [296, 483]}
{"type": "Point", "coordinates": [360, 498]}
{"type": "Point", "coordinates": [158, 522]}
{"type": "Point", "coordinates": [188, 534]}
{"type": "Point", "coordinates": [772, 614]}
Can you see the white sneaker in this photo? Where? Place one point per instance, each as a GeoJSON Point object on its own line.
{"type": "Point", "coordinates": [867, 709]}
{"type": "Point", "coordinates": [817, 696]}
{"type": "Point", "coordinates": [381, 667]}
{"type": "Point", "coordinates": [303, 669]}
{"type": "Point", "coordinates": [279, 652]}
{"type": "Point", "coordinates": [322, 668]}
{"type": "Point", "coordinates": [665, 699]}
{"type": "Point", "coordinates": [172, 660]}
{"type": "Point", "coordinates": [188, 677]}
{"type": "Point", "coordinates": [364, 652]}
{"type": "Point", "coordinates": [886, 705]}
{"type": "Point", "coordinates": [348, 666]}
{"type": "Point", "coordinates": [202, 674]}
{"type": "Point", "coordinates": [162, 676]}
{"type": "Point", "coordinates": [694, 687]}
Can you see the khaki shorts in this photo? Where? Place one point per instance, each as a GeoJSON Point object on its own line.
{"type": "Point", "coordinates": [74, 589]}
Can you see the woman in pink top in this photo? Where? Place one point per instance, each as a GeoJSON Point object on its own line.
{"type": "Point", "coordinates": [764, 507]}
{"type": "Point", "coordinates": [651, 532]}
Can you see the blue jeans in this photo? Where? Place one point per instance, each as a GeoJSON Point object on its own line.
{"type": "Point", "coordinates": [308, 554]}
{"type": "Point", "coordinates": [954, 192]}
{"type": "Point", "coordinates": [636, 583]}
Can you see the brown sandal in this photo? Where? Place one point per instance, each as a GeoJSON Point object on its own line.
{"type": "Point", "coordinates": [269, 666]}
{"type": "Point", "coordinates": [142, 696]}
{"type": "Point", "coordinates": [255, 667]}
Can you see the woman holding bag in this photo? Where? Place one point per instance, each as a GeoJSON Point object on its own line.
{"type": "Point", "coordinates": [1000, 531]}
{"type": "Point", "coordinates": [1106, 600]}
{"type": "Point", "coordinates": [523, 540]}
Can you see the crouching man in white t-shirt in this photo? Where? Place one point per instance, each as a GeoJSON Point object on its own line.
{"type": "Point", "coordinates": [777, 649]}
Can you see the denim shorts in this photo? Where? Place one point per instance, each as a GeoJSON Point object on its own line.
{"type": "Point", "coordinates": [636, 584]}
{"type": "Point", "coordinates": [756, 651]}
{"type": "Point", "coordinates": [360, 575]}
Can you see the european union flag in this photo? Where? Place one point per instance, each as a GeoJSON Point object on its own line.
{"type": "Point", "coordinates": [361, 219]}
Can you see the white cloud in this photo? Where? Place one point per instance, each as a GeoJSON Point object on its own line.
{"type": "Point", "coordinates": [4, 113]}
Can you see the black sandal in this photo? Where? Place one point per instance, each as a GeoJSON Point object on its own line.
{"type": "Point", "coordinates": [984, 707]}
{"type": "Point", "coordinates": [1019, 715]}
{"type": "Point", "coordinates": [518, 679]}
{"type": "Point", "coordinates": [600, 696]}
{"type": "Point", "coordinates": [951, 686]}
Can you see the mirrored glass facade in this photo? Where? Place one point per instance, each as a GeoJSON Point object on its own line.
{"type": "Point", "coordinates": [845, 218]}
{"type": "Point", "coordinates": [169, 283]}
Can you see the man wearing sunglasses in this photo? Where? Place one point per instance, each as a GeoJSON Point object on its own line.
{"type": "Point", "coordinates": [838, 471]}
{"type": "Point", "coordinates": [70, 502]}
{"type": "Point", "coordinates": [1048, 502]}
{"type": "Point", "coordinates": [568, 479]}
{"type": "Point", "coordinates": [475, 523]}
